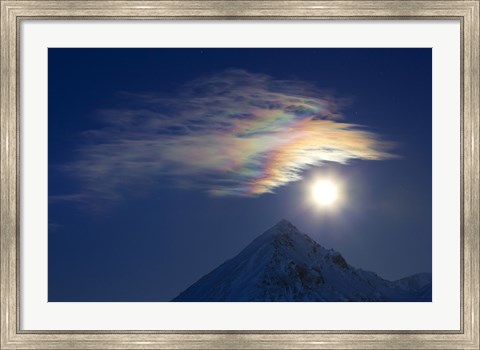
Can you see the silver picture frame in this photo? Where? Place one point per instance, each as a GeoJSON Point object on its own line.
{"type": "Point", "coordinates": [14, 12]}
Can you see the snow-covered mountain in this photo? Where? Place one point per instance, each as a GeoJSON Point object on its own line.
{"type": "Point", "coordinates": [284, 264]}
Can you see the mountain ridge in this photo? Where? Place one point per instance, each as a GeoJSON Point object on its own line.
{"type": "Point", "coordinates": [284, 264]}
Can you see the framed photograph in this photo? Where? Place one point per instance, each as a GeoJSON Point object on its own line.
{"type": "Point", "coordinates": [240, 174]}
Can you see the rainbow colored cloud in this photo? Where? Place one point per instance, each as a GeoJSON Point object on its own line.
{"type": "Point", "coordinates": [232, 133]}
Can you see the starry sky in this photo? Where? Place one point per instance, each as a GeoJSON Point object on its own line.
{"type": "Point", "coordinates": [164, 163]}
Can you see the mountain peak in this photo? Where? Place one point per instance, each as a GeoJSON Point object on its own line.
{"type": "Point", "coordinates": [282, 223]}
{"type": "Point", "coordinates": [284, 264]}
{"type": "Point", "coordinates": [283, 227]}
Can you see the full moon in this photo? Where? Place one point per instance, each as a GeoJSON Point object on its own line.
{"type": "Point", "coordinates": [325, 192]}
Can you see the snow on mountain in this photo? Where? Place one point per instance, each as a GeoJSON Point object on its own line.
{"type": "Point", "coordinates": [420, 283]}
{"type": "Point", "coordinates": [414, 282]}
{"type": "Point", "coordinates": [284, 264]}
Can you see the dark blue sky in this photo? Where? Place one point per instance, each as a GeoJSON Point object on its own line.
{"type": "Point", "coordinates": [149, 238]}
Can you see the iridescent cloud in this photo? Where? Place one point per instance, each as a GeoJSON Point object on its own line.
{"type": "Point", "coordinates": [233, 133]}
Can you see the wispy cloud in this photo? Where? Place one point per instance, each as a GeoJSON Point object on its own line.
{"type": "Point", "coordinates": [233, 133]}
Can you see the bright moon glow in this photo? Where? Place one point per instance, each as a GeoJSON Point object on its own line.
{"type": "Point", "coordinates": [325, 192]}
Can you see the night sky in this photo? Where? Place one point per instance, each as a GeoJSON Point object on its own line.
{"type": "Point", "coordinates": [164, 163]}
